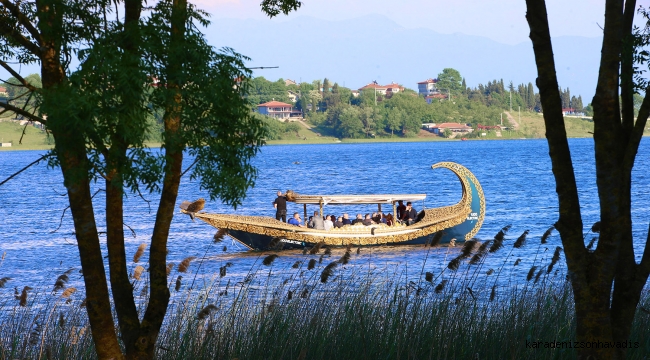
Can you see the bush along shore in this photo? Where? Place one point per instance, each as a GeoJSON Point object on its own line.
{"type": "Point", "coordinates": [325, 307]}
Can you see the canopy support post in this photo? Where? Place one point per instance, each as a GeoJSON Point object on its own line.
{"type": "Point", "coordinates": [379, 207]}
{"type": "Point", "coordinates": [321, 207]}
{"type": "Point", "coordinates": [305, 208]}
{"type": "Point", "coordinates": [394, 212]}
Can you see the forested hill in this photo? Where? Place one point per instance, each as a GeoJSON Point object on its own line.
{"type": "Point", "coordinates": [336, 110]}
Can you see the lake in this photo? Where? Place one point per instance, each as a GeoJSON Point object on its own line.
{"type": "Point", "coordinates": [515, 174]}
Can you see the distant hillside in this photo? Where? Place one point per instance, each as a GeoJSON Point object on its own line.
{"type": "Point", "coordinates": [360, 50]}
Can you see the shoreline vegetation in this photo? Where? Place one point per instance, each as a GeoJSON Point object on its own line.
{"type": "Point", "coordinates": [531, 127]}
{"type": "Point", "coordinates": [325, 304]}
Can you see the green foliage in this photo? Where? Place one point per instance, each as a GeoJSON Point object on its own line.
{"type": "Point", "coordinates": [275, 129]}
{"type": "Point", "coordinates": [261, 90]}
{"type": "Point", "coordinates": [449, 80]}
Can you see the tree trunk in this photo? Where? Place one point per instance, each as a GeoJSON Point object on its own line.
{"type": "Point", "coordinates": [616, 142]}
{"type": "Point", "coordinates": [71, 152]}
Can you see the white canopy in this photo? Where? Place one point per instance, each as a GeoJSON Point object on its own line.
{"type": "Point", "coordinates": [357, 199]}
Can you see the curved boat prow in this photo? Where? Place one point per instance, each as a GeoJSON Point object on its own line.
{"type": "Point", "coordinates": [472, 224]}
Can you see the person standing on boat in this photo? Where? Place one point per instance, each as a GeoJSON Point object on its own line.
{"type": "Point", "coordinates": [410, 214]}
{"type": "Point", "coordinates": [280, 205]}
{"type": "Point", "coordinates": [316, 222]}
{"type": "Point", "coordinates": [295, 220]}
{"type": "Point", "coordinates": [400, 210]}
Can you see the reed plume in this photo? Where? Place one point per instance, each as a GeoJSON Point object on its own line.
{"type": "Point", "coordinates": [493, 293]}
{"type": "Point", "coordinates": [438, 289]}
{"type": "Point", "coordinates": [547, 233]}
{"type": "Point", "coordinates": [296, 264]}
{"type": "Point", "coordinates": [61, 280]}
{"type": "Point", "coordinates": [83, 303]}
{"type": "Point", "coordinates": [348, 247]}
{"type": "Point", "coordinates": [499, 238]}
{"type": "Point", "coordinates": [589, 246]}
{"type": "Point", "coordinates": [69, 291]}
{"type": "Point", "coordinates": [595, 228]}
{"type": "Point", "coordinates": [178, 282]}
{"type": "Point", "coordinates": [137, 272]}
{"type": "Point", "coordinates": [206, 311]}
{"type": "Point", "coordinates": [328, 271]}
{"type": "Point", "coordinates": [219, 235]}
{"type": "Point", "coordinates": [345, 258]}
{"type": "Point", "coordinates": [222, 271]}
{"type": "Point", "coordinates": [328, 250]}
{"type": "Point", "coordinates": [316, 248]}
{"type": "Point", "coordinates": [489, 272]}
{"type": "Point", "coordinates": [269, 259]}
{"type": "Point", "coordinates": [289, 295]}
{"type": "Point", "coordinates": [170, 266]}
{"type": "Point", "coordinates": [539, 273]}
{"type": "Point", "coordinates": [358, 250]}
{"type": "Point", "coordinates": [455, 263]}
{"type": "Point", "coordinates": [144, 291]}
{"type": "Point", "coordinates": [521, 240]}
{"type": "Point", "coordinates": [480, 254]}
{"type": "Point", "coordinates": [185, 264]}
{"type": "Point", "coordinates": [428, 276]}
{"type": "Point", "coordinates": [311, 264]}
{"type": "Point", "coordinates": [225, 248]}
{"type": "Point", "coordinates": [274, 242]}
{"type": "Point", "coordinates": [517, 262]}
{"type": "Point", "coordinates": [23, 296]}
{"type": "Point", "coordinates": [320, 259]}
{"type": "Point", "coordinates": [437, 237]}
{"type": "Point", "coordinates": [139, 252]}
{"type": "Point", "coordinates": [531, 273]}
{"type": "Point", "coordinates": [468, 247]}
{"type": "Point", "coordinates": [305, 293]}
{"type": "Point", "coordinates": [554, 259]}
{"type": "Point", "coordinates": [3, 281]}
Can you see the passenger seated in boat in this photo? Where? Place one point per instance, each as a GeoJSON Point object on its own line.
{"type": "Point", "coordinates": [346, 219]}
{"type": "Point", "coordinates": [376, 217]}
{"type": "Point", "coordinates": [295, 220]}
{"type": "Point", "coordinates": [328, 223]}
{"type": "Point", "coordinates": [316, 222]}
{"type": "Point", "coordinates": [389, 219]}
{"type": "Point", "coordinates": [368, 221]}
{"type": "Point", "coordinates": [358, 220]}
{"type": "Point", "coordinates": [410, 214]}
{"type": "Point", "coordinates": [339, 222]}
{"type": "Point", "coordinates": [382, 218]}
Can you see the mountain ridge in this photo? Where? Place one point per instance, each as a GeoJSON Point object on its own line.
{"type": "Point", "coordinates": [356, 51]}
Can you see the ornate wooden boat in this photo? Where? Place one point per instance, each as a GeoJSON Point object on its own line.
{"type": "Point", "coordinates": [460, 221]}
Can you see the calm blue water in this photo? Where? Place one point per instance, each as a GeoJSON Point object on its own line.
{"type": "Point", "coordinates": [515, 175]}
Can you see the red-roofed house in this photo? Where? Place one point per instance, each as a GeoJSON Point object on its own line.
{"type": "Point", "coordinates": [431, 98]}
{"type": "Point", "coordinates": [453, 127]}
{"type": "Point", "coordinates": [374, 86]}
{"type": "Point", "coordinates": [275, 109]}
{"type": "Point", "coordinates": [3, 92]}
{"type": "Point", "coordinates": [394, 88]}
{"type": "Point", "coordinates": [427, 87]}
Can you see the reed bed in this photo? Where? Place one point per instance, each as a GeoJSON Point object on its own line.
{"type": "Point", "coordinates": [324, 306]}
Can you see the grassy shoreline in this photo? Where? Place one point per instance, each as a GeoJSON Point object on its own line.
{"type": "Point", "coordinates": [531, 126]}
